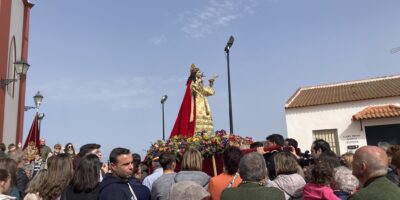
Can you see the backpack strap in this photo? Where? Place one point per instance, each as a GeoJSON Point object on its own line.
{"type": "Point", "coordinates": [233, 180]}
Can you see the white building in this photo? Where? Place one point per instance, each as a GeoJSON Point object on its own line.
{"type": "Point", "coordinates": [347, 115]}
{"type": "Point", "coordinates": [14, 39]}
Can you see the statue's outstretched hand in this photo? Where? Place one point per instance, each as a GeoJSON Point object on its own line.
{"type": "Point", "coordinates": [212, 79]}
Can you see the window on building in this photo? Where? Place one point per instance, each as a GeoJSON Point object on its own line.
{"type": "Point", "coordinates": [330, 136]}
{"type": "Point", "coordinates": [11, 74]}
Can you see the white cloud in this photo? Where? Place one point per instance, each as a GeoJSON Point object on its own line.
{"type": "Point", "coordinates": [116, 94]}
{"type": "Point", "coordinates": [158, 40]}
{"type": "Point", "coordinates": [216, 14]}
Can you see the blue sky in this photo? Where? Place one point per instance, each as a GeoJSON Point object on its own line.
{"type": "Point", "coordinates": [102, 66]}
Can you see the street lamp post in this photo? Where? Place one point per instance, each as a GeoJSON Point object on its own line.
{"type": "Point", "coordinates": [227, 48]}
{"type": "Point", "coordinates": [38, 98]}
{"type": "Point", "coordinates": [163, 99]}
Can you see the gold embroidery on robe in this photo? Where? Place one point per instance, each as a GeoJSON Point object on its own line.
{"type": "Point", "coordinates": [203, 111]}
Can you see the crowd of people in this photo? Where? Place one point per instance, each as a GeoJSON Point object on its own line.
{"type": "Point", "coordinates": [268, 172]}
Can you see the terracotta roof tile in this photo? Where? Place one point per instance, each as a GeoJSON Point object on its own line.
{"type": "Point", "coordinates": [346, 92]}
{"type": "Point", "coordinates": [375, 112]}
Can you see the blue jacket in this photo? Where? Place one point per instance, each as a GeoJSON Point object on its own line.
{"type": "Point", "coordinates": [114, 188]}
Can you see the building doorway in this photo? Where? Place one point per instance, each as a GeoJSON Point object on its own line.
{"type": "Point", "coordinates": [383, 133]}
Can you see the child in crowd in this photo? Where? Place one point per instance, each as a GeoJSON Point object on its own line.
{"type": "Point", "coordinates": [319, 187]}
{"type": "Point", "coordinates": [37, 164]}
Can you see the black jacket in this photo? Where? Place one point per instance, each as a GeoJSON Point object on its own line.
{"type": "Point", "coordinates": [70, 194]}
{"type": "Point", "coordinates": [114, 188]}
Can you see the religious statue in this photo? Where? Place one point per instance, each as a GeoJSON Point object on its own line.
{"type": "Point", "coordinates": [195, 113]}
{"type": "Point", "coordinates": [31, 150]}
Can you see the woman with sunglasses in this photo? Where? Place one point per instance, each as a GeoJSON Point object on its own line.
{"type": "Point", "coordinates": [69, 150]}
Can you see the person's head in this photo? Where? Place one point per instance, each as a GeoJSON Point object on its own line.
{"type": "Point", "coordinates": [188, 190]}
{"type": "Point", "coordinates": [384, 145]}
{"type": "Point", "coordinates": [256, 144]}
{"type": "Point", "coordinates": [155, 163]}
{"type": "Point", "coordinates": [167, 161]}
{"type": "Point", "coordinates": [11, 148]}
{"type": "Point", "coordinates": [42, 142]}
{"type": "Point", "coordinates": [57, 149]}
{"type": "Point", "coordinates": [86, 176]}
{"type": "Point", "coordinates": [344, 180]}
{"type": "Point", "coordinates": [396, 161]}
{"type": "Point", "coordinates": [347, 160]}
{"type": "Point", "coordinates": [121, 163]}
{"type": "Point", "coordinates": [11, 166]}
{"type": "Point", "coordinates": [322, 173]}
{"type": "Point", "coordinates": [252, 167]}
{"type": "Point", "coordinates": [192, 160]}
{"type": "Point", "coordinates": [69, 147]}
{"type": "Point", "coordinates": [330, 158]}
{"type": "Point", "coordinates": [59, 174]}
{"type": "Point", "coordinates": [37, 156]}
{"type": "Point", "coordinates": [60, 166]}
{"type": "Point", "coordinates": [136, 162]}
{"type": "Point", "coordinates": [91, 148]}
{"type": "Point", "coordinates": [232, 156]}
{"type": "Point", "coordinates": [36, 182]}
{"type": "Point", "coordinates": [319, 146]}
{"type": "Point", "coordinates": [274, 140]}
{"type": "Point", "coordinates": [285, 163]}
{"type": "Point", "coordinates": [291, 142]}
{"type": "Point", "coordinates": [369, 162]}
{"type": "Point", "coordinates": [137, 159]}
{"type": "Point", "coordinates": [2, 147]}
{"type": "Point", "coordinates": [5, 181]}
{"type": "Point", "coordinates": [18, 156]}
{"type": "Point", "coordinates": [391, 151]}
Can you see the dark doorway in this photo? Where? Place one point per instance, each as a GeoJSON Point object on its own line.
{"type": "Point", "coordinates": [383, 133]}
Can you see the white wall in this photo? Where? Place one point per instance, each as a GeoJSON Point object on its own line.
{"type": "Point", "coordinates": [302, 121]}
{"type": "Point", "coordinates": [11, 103]}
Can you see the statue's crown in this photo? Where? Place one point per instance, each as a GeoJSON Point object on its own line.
{"type": "Point", "coordinates": [193, 69]}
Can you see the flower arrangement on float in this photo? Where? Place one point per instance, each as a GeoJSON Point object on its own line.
{"type": "Point", "coordinates": [208, 145]}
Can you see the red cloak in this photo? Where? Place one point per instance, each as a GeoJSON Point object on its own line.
{"type": "Point", "coordinates": [183, 126]}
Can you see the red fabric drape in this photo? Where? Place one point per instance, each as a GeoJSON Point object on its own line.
{"type": "Point", "coordinates": [274, 148]}
{"type": "Point", "coordinates": [34, 133]}
{"type": "Point", "coordinates": [183, 126]}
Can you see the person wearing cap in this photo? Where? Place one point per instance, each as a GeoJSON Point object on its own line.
{"type": "Point", "coordinates": [158, 171]}
{"type": "Point", "coordinates": [91, 148]}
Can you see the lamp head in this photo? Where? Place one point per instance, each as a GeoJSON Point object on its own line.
{"type": "Point", "coordinates": [41, 116]}
{"type": "Point", "coordinates": [21, 67]}
{"type": "Point", "coordinates": [38, 99]}
{"type": "Point", "coordinates": [164, 98]}
{"type": "Point", "coordinates": [229, 44]}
